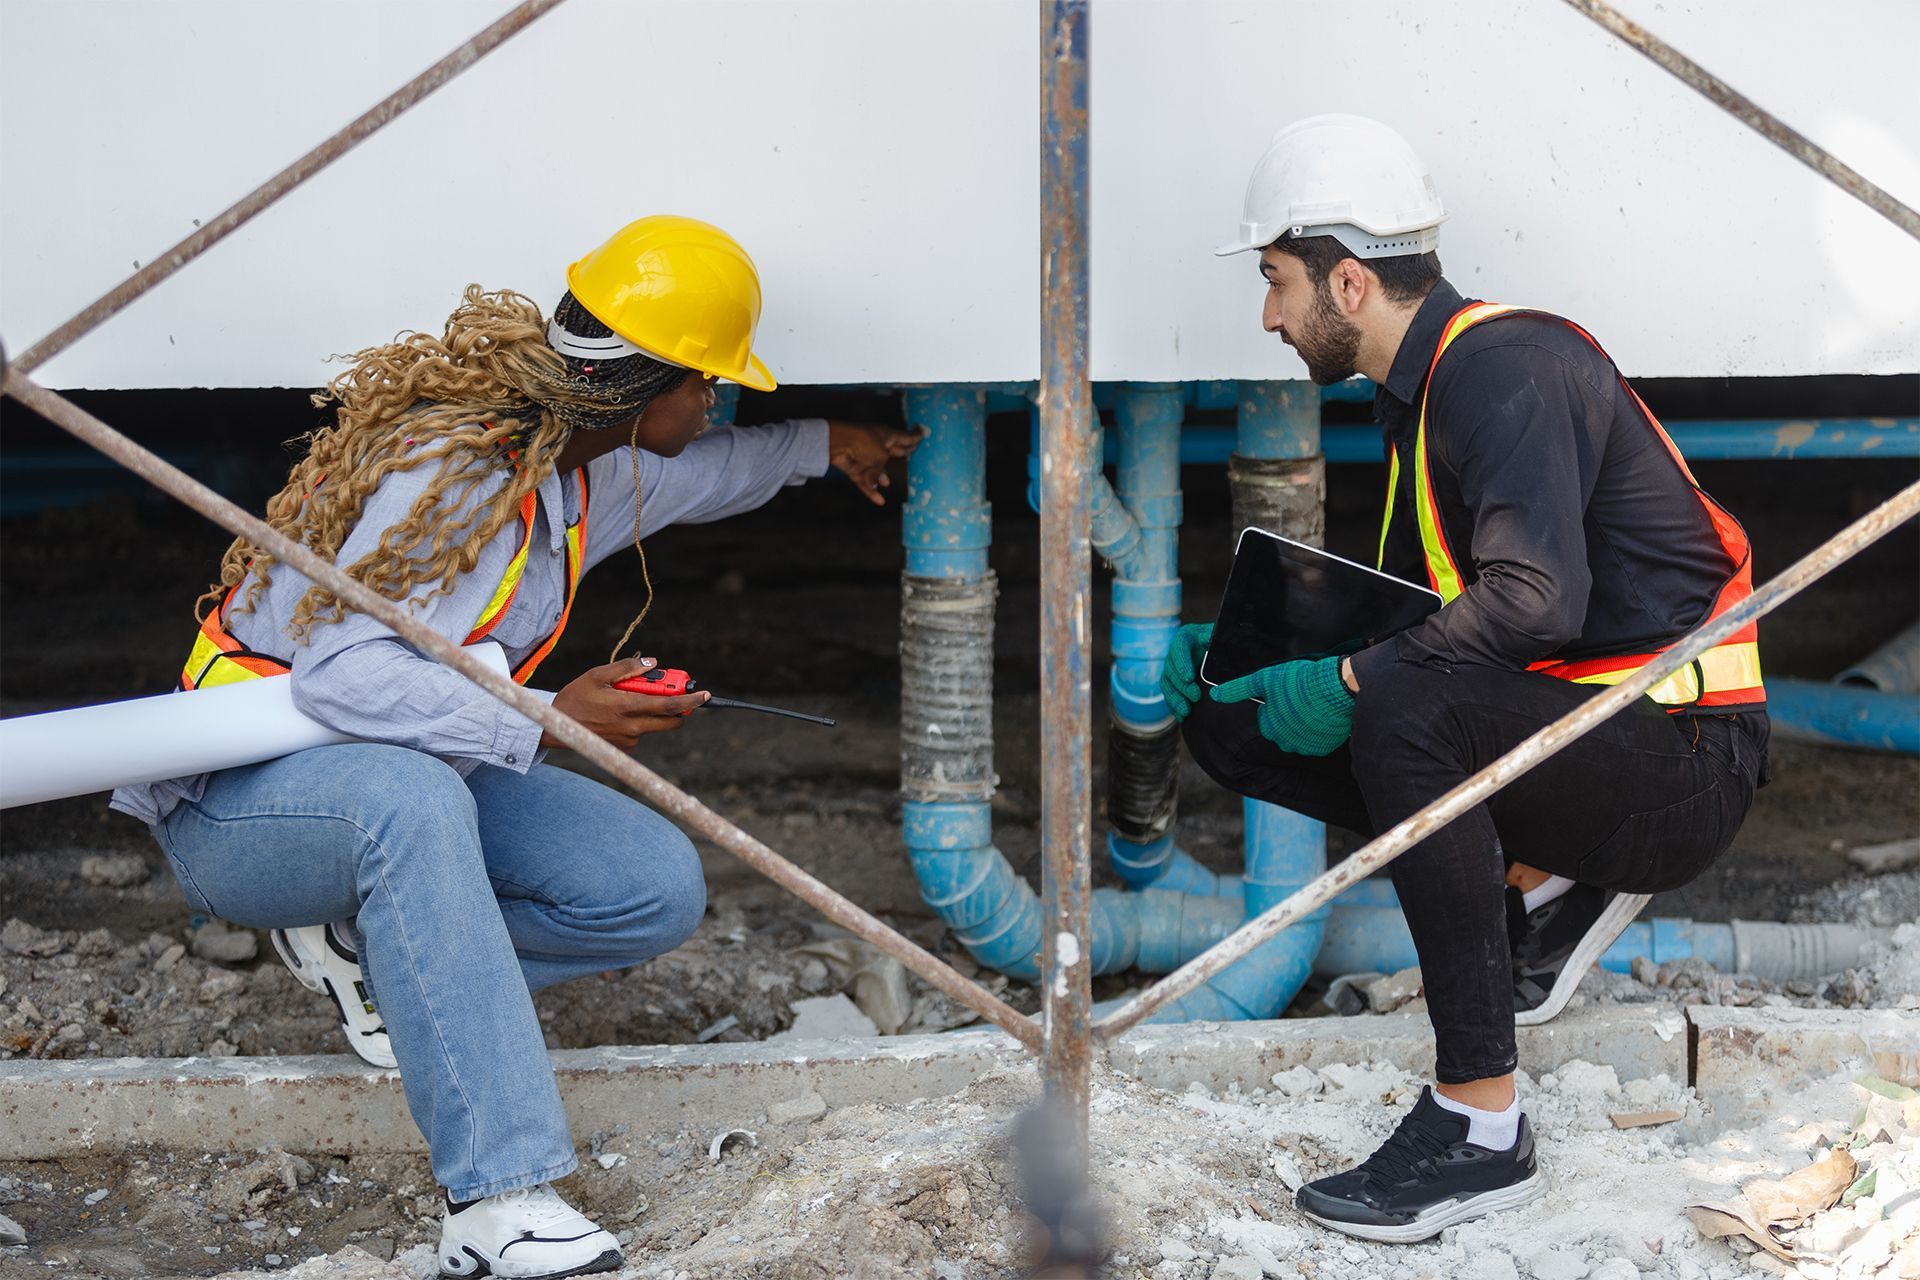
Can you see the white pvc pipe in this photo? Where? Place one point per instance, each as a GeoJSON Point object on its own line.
{"type": "Point", "coordinates": [173, 735]}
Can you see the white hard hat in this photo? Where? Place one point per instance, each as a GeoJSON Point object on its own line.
{"type": "Point", "coordinates": [1343, 176]}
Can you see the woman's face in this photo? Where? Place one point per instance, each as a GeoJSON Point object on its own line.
{"type": "Point", "coordinates": [675, 420]}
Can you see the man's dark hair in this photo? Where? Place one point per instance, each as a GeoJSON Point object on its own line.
{"type": "Point", "coordinates": [1408, 277]}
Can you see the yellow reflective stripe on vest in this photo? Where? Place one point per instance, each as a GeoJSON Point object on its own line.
{"type": "Point", "coordinates": [1386, 520]}
{"type": "Point", "coordinates": [1727, 666]}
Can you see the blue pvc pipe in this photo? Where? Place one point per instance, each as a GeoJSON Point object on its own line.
{"type": "Point", "coordinates": [1845, 714]}
{"type": "Point", "coordinates": [1146, 594]}
{"type": "Point", "coordinates": [947, 524]}
{"type": "Point", "coordinates": [1709, 439]}
{"type": "Point", "coordinates": [1284, 850]}
{"type": "Point", "coordinates": [1367, 934]}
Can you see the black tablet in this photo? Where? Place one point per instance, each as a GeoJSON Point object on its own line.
{"type": "Point", "coordinates": [1286, 600]}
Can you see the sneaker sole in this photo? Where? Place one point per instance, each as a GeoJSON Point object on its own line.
{"type": "Point", "coordinates": [1437, 1219]}
{"type": "Point", "coordinates": [313, 980]}
{"type": "Point", "coordinates": [1609, 925]}
{"type": "Point", "coordinates": [303, 973]}
{"type": "Point", "coordinates": [609, 1260]}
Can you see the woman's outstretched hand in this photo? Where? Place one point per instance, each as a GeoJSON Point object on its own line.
{"type": "Point", "coordinates": [862, 450]}
{"type": "Point", "coordinates": [618, 715]}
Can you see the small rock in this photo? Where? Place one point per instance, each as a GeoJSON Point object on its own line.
{"type": "Point", "coordinates": [11, 1231]}
{"type": "Point", "coordinates": [610, 1160]}
{"type": "Point", "coordinates": [23, 939]}
{"type": "Point", "coordinates": [219, 985]}
{"type": "Point", "coordinates": [217, 942]}
{"type": "Point", "coordinates": [1391, 992]}
{"type": "Point", "coordinates": [1615, 1269]}
{"type": "Point", "coordinates": [1645, 971]}
{"type": "Point", "coordinates": [1172, 1250]}
{"type": "Point", "coordinates": [273, 1259]}
{"type": "Point", "coordinates": [115, 870]}
{"type": "Point", "coordinates": [169, 958]}
{"type": "Point", "coordinates": [805, 1108]}
{"type": "Point", "coordinates": [95, 1197]}
{"type": "Point", "coordinates": [1876, 858]}
{"type": "Point", "coordinates": [222, 1049]}
{"type": "Point", "coordinates": [380, 1247]}
{"type": "Point", "coordinates": [1238, 1267]}
{"type": "Point", "coordinates": [1297, 1082]}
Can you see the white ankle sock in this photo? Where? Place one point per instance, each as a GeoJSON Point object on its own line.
{"type": "Point", "coordinates": [1546, 891]}
{"type": "Point", "coordinates": [1494, 1130]}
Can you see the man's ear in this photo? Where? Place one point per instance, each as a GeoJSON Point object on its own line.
{"type": "Point", "coordinates": [1350, 284]}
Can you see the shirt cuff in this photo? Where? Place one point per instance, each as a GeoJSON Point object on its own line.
{"type": "Point", "coordinates": [815, 454]}
{"type": "Point", "coordinates": [516, 739]}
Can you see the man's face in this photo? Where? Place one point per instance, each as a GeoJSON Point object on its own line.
{"type": "Point", "coordinates": [1303, 313]}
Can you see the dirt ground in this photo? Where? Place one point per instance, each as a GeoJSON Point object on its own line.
{"type": "Point", "coordinates": [795, 605]}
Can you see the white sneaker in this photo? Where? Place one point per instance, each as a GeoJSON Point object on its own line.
{"type": "Point", "coordinates": [322, 958]}
{"type": "Point", "coordinates": [531, 1234]}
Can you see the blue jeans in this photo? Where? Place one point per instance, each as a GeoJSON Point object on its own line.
{"type": "Point", "coordinates": [470, 894]}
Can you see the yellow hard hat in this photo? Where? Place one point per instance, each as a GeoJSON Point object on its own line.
{"type": "Point", "coordinates": [682, 291]}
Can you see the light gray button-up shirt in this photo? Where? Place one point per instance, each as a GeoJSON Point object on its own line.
{"type": "Point", "coordinates": [356, 676]}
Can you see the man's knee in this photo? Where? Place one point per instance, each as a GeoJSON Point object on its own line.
{"type": "Point", "coordinates": [1404, 712]}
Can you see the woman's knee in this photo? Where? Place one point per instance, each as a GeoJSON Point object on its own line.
{"type": "Point", "coordinates": [659, 894]}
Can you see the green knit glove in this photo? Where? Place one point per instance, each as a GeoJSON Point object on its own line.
{"type": "Point", "coordinates": [1180, 676]}
{"type": "Point", "coordinates": [1305, 709]}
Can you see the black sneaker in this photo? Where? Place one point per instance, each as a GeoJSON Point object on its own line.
{"type": "Point", "coordinates": [1556, 943]}
{"type": "Point", "coordinates": [1425, 1178]}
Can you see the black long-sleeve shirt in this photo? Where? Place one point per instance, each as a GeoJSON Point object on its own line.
{"type": "Point", "coordinates": [1575, 534]}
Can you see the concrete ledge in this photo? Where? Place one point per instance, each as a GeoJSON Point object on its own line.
{"type": "Point", "coordinates": [1747, 1062]}
{"type": "Point", "coordinates": [337, 1104]}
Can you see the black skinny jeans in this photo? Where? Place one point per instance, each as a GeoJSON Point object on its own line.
{"type": "Point", "coordinates": [1642, 804]}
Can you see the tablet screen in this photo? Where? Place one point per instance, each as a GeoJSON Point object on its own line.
{"type": "Point", "coordinates": [1286, 600]}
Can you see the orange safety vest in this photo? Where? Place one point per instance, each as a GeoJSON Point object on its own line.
{"type": "Point", "coordinates": [1725, 677]}
{"type": "Point", "coordinates": [219, 658]}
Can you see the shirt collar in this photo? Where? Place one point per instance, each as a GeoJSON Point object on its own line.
{"type": "Point", "coordinates": [1415, 357]}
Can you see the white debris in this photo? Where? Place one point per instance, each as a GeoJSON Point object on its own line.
{"type": "Point", "coordinates": [826, 1018]}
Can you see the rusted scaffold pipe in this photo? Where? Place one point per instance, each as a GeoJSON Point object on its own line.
{"type": "Point", "coordinates": [1753, 115]}
{"type": "Point", "coordinates": [1402, 836]}
{"type": "Point", "coordinates": [1066, 574]}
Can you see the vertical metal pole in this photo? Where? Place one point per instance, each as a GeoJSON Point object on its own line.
{"type": "Point", "coordinates": [1066, 468]}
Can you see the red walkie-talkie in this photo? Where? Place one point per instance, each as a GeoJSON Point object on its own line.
{"type": "Point", "coordinates": [671, 682]}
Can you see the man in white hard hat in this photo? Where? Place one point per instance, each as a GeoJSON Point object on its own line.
{"type": "Point", "coordinates": [1538, 496]}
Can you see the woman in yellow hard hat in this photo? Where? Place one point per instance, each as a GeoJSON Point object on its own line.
{"type": "Point", "coordinates": [432, 875]}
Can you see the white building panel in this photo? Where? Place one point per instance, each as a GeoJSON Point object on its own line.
{"type": "Point", "coordinates": [880, 160]}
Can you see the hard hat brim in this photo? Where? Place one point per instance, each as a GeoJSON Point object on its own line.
{"type": "Point", "coordinates": [1228, 250]}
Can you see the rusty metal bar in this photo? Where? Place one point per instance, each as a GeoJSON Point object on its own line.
{"type": "Point", "coordinates": [650, 786]}
{"type": "Point", "coordinates": [1397, 839]}
{"type": "Point", "coordinates": [1753, 115]}
{"type": "Point", "coordinates": [224, 224]}
{"type": "Point", "coordinates": [1066, 575]}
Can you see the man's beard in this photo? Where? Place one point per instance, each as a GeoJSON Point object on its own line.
{"type": "Point", "coordinates": [1328, 341]}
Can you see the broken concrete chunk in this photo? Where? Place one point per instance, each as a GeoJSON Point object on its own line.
{"type": "Point", "coordinates": [219, 942]}
{"type": "Point", "coordinates": [1239, 1267]}
{"type": "Point", "coordinates": [10, 1231]}
{"type": "Point", "coordinates": [114, 870]}
{"type": "Point", "coordinates": [1389, 993]}
{"type": "Point", "coordinates": [1297, 1082]}
{"type": "Point", "coordinates": [826, 1018]}
{"type": "Point", "coordinates": [1347, 994]}
{"type": "Point", "coordinates": [23, 939]}
{"type": "Point", "coordinates": [1895, 855]}
{"type": "Point", "coordinates": [806, 1107]}
{"type": "Point", "coordinates": [880, 990]}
